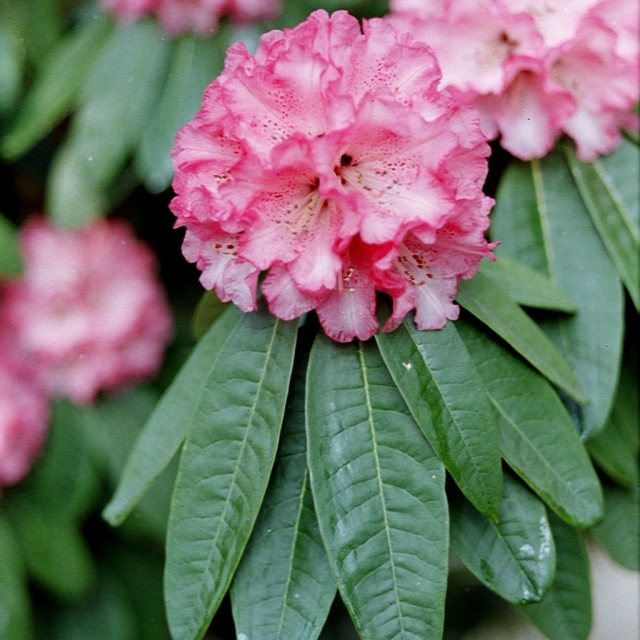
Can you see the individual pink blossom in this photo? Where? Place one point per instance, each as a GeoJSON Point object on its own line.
{"type": "Point", "coordinates": [88, 312]}
{"type": "Point", "coordinates": [196, 16]}
{"type": "Point", "coordinates": [536, 69]}
{"type": "Point", "coordinates": [330, 162]}
{"type": "Point", "coordinates": [24, 413]}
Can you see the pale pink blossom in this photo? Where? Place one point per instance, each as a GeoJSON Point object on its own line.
{"type": "Point", "coordinates": [24, 412]}
{"type": "Point", "coordinates": [88, 313]}
{"type": "Point", "coordinates": [200, 17]}
{"type": "Point", "coordinates": [330, 162]}
{"type": "Point", "coordinates": [536, 69]}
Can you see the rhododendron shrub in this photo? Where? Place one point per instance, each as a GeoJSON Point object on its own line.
{"type": "Point", "coordinates": [200, 17]}
{"type": "Point", "coordinates": [536, 69]}
{"type": "Point", "coordinates": [88, 314]}
{"type": "Point", "coordinates": [331, 161]}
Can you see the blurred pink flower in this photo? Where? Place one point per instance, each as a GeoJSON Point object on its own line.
{"type": "Point", "coordinates": [196, 16]}
{"type": "Point", "coordinates": [536, 69]}
{"type": "Point", "coordinates": [24, 414]}
{"type": "Point", "coordinates": [88, 313]}
{"type": "Point", "coordinates": [330, 159]}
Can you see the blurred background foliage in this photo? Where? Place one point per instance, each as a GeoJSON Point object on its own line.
{"type": "Point", "coordinates": [88, 114]}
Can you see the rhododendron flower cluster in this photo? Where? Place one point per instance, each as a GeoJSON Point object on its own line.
{"type": "Point", "coordinates": [88, 313]}
{"type": "Point", "coordinates": [195, 16]}
{"type": "Point", "coordinates": [331, 160]}
{"type": "Point", "coordinates": [24, 414]}
{"type": "Point", "coordinates": [536, 69]}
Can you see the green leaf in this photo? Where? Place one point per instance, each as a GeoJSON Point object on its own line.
{"type": "Point", "coordinates": [437, 379]}
{"type": "Point", "coordinates": [611, 214]}
{"type": "Point", "coordinates": [379, 495]}
{"type": "Point", "coordinates": [15, 619]}
{"type": "Point", "coordinates": [55, 87]}
{"type": "Point", "coordinates": [208, 310]}
{"type": "Point", "coordinates": [515, 557]}
{"type": "Point", "coordinates": [537, 436]}
{"type": "Point", "coordinates": [493, 307]}
{"type": "Point", "coordinates": [10, 260]}
{"type": "Point", "coordinates": [169, 423]}
{"type": "Point", "coordinates": [11, 61]}
{"type": "Point", "coordinates": [526, 286]}
{"type": "Point", "coordinates": [224, 469]}
{"type": "Point", "coordinates": [543, 221]}
{"type": "Point", "coordinates": [618, 532]}
{"type": "Point", "coordinates": [284, 587]}
{"type": "Point", "coordinates": [194, 62]}
{"type": "Point", "coordinates": [615, 449]}
{"type": "Point", "coordinates": [117, 101]}
{"type": "Point", "coordinates": [565, 612]}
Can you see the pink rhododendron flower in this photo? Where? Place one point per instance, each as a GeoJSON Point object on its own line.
{"type": "Point", "coordinates": [536, 69]}
{"type": "Point", "coordinates": [24, 413]}
{"type": "Point", "coordinates": [331, 161]}
{"type": "Point", "coordinates": [196, 16]}
{"type": "Point", "coordinates": [88, 312]}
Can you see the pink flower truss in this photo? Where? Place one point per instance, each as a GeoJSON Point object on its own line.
{"type": "Point", "coordinates": [330, 160]}
{"type": "Point", "coordinates": [196, 16]}
{"type": "Point", "coordinates": [24, 414]}
{"type": "Point", "coordinates": [536, 69]}
{"type": "Point", "coordinates": [88, 312]}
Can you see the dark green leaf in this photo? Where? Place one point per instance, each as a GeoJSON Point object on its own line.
{"type": "Point", "coordinates": [537, 437]}
{"type": "Point", "coordinates": [526, 286]}
{"type": "Point", "coordinates": [224, 469]}
{"type": "Point", "coordinates": [379, 495]}
{"type": "Point", "coordinates": [618, 532]}
{"type": "Point", "coordinates": [284, 587]}
{"type": "Point", "coordinates": [514, 557]}
{"type": "Point", "coordinates": [41, 23]}
{"type": "Point", "coordinates": [492, 306]}
{"type": "Point", "coordinates": [55, 87]}
{"type": "Point", "coordinates": [565, 612]}
{"type": "Point", "coordinates": [169, 423]}
{"type": "Point", "coordinates": [612, 215]}
{"type": "Point", "coordinates": [437, 379]}
{"type": "Point", "coordinates": [15, 611]}
{"type": "Point", "coordinates": [117, 101]}
{"type": "Point", "coordinates": [11, 60]}
{"type": "Point", "coordinates": [543, 221]}
{"type": "Point", "coordinates": [10, 260]}
{"type": "Point", "coordinates": [615, 449]}
{"type": "Point", "coordinates": [194, 63]}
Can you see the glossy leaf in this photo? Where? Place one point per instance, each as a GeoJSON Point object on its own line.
{"type": "Point", "coordinates": [543, 220]}
{"type": "Point", "coordinates": [15, 616]}
{"type": "Point", "coordinates": [565, 612]}
{"type": "Point", "coordinates": [379, 495]}
{"type": "Point", "coordinates": [437, 379]}
{"type": "Point", "coordinates": [55, 87]}
{"type": "Point", "coordinates": [224, 469]}
{"type": "Point", "coordinates": [169, 423]}
{"type": "Point", "coordinates": [10, 260]}
{"type": "Point", "coordinates": [612, 214]}
{"type": "Point", "coordinates": [208, 310]}
{"type": "Point", "coordinates": [116, 102]}
{"type": "Point", "coordinates": [515, 556]}
{"type": "Point", "coordinates": [537, 436]}
{"type": "Point", "coordinates": [284, 587]}
{"type": "Point", "coordinates": [493, 307]}
{"type": "Point", "coordinates": [194, 63]}
{"type": "Point", "coordinates": [617, 447]}
{"type": "Point", "coordinates": [526, 286]}
{"type": "Point", "coordinates": [618, 532]}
